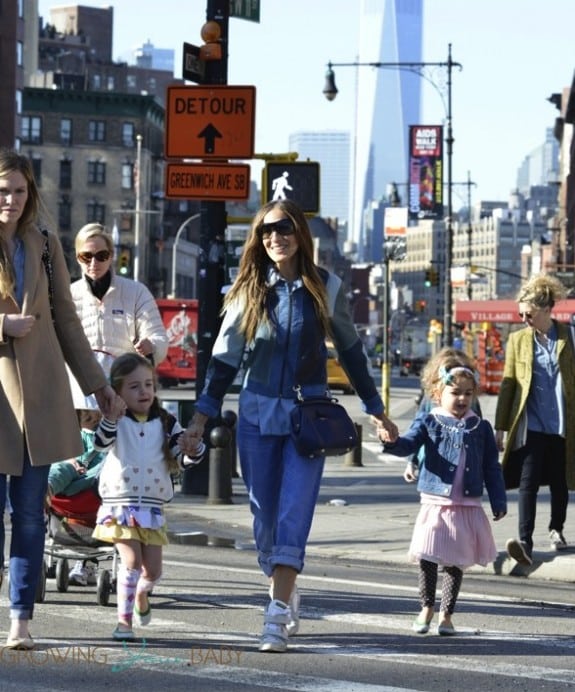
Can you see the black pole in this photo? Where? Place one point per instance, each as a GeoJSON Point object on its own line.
{"type": "Point", "coordinates": [211, 273]}
{"type": "Point", "coordinates": [448, 291]}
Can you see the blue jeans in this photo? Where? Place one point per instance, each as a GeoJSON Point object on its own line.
{"type": "Point", "coordinates": [283, 489]}
{"type": "Point", "coordinates": [27, 494]}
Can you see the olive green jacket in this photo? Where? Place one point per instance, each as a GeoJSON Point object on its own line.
{"type": "Point", "coordinates": [511, 414]}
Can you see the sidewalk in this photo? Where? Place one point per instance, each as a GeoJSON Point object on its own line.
{"type": "Point", "coordinates": [367, 513]}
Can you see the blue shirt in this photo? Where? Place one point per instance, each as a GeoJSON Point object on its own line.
{"type": "Point", "coordinates": [18, 264]}
{"type": "Point", "coordinates": [545, 404]}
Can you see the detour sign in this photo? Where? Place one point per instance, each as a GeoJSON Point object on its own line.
{"type": "Point", "coordinates": [207, 122]}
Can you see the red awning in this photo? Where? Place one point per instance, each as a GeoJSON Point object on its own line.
{"type": "Point", "coordinates": [504, 311]}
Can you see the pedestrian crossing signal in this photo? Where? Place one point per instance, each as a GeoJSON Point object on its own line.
{"type": "Point", "coordinates": [298, 181]}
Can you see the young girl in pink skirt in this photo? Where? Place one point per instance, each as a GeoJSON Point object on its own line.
{"type": "Point", "coordinates": [457, 458]}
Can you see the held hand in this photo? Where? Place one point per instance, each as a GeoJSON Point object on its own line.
{"type": "Point", "coordinates": [18, 326]}
{"type": "Point", "coordinates": [499, 437]}
{"type": "Point", "coordinates": [191, 446]}
{"type": "Point", "coordinates": [498, 516]}
{"type": "Point", "coordinates": [386, 430]}
{"type": "Point", "coordinates": [109, 402]}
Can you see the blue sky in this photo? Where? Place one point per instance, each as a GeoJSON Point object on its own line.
{"type": "Point", "coordinates": [515, 54]}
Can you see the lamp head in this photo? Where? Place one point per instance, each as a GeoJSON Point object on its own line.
{"type": "Point", "coordinates": [330, 89]}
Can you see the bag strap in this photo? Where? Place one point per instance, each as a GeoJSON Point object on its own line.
{"type": "Point", "coordinates": [47, 262]}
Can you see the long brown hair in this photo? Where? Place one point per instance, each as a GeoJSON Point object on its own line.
{"type": "Point", "coordinates": [250, 287]}
{"type": "Point", "coordinates": [11, 161]}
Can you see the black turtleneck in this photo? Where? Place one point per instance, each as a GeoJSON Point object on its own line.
{"type": "Point", "coordinates": [99, 287]}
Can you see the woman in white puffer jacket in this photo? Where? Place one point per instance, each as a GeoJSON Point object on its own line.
{"type": "Point", "coordinates": [118, 314]}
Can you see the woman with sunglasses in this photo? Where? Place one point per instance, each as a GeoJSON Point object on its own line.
{"type": "Point", "coordinates": [118, 314]}
{"type": "Point", "coordinates": [280, 310]}
{"type": "Point", "coordinates": [536, 407]}
{"type": "Point", "coordinates": [39, 333]}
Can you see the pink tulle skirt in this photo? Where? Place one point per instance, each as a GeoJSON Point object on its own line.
{"type": "Point", "coordinates": [458, 535]}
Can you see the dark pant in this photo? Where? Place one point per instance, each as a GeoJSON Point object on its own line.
{"type": "Point", "coordinates": [543, 464]}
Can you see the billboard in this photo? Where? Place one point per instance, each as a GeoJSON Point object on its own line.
{"type": "Point", "coordinates": [425, 183]}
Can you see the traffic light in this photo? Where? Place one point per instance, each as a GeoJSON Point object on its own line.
{"type": "Point", "coordinates": [124, 262]}
{"type": "Point", "coordinates": [298, 181]}
{"type": "Point", "coordinates": [431, 277]}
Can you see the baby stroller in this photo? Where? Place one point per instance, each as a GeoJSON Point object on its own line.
{"type": "Point", "coordinates": [70, 522]}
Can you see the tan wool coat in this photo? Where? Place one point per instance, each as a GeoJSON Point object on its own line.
{"type": "Point", "coordinates": [35, 399]}
{"type": "Point", "coordinates": [511, 405]}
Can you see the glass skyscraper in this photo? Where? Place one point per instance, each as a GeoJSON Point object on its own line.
{"type": "Point", "coordinates": [388, 101]}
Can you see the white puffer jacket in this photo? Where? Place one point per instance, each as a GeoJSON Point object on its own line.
{"type": "Point", "coordinates": [126, 314]}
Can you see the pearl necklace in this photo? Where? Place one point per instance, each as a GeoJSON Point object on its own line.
{"type": "Point", "coordinates": [460, 427]}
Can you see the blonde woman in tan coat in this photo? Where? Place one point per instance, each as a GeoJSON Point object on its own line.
{"type": "Point", "coordinates": [39, 333]}
{"type": "Point", "coordinates": [536, 407]}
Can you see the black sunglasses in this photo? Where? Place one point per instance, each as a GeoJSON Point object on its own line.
{"type": "Point", "coordinates": [283, 227]}
{"type": "Point", "coordinates": [527, 315]}
{"type": "Point", "coordinates": [100, 256]}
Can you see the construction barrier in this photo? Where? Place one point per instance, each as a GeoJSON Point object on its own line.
{"type": "Point", "coordinates": [493, 376]}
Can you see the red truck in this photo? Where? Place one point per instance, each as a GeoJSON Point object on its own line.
{"type": "Point", "coordinates": [180, 317]}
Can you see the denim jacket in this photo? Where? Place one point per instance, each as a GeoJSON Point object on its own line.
{"type": "Point", "coordinates": [442, 438]}
{"type": "Point", "coordinates": [291, 351]}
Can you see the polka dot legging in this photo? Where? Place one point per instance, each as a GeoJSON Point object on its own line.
{"type": "Point", "coordinates": [450, 585]}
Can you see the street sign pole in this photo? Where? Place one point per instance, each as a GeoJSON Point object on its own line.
{"type": "Point", "coordinates": [211, 276]}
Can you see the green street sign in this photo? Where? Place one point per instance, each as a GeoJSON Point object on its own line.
{"type": "Point", "coordinates": [245, 9]}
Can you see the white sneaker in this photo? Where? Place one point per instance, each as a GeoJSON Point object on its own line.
{"type": "Point", "coordinates": [557, 540]}
{"type": "Point", "coordinates": [91, 571]}
{"type": "Point", "coordinates": [293, 604]}
{"type": "Point", "coordinates": [274, 636]}
{"type": "Point", "coordinates": [78, 574]}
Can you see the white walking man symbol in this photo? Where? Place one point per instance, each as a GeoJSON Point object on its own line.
{"type": "Point", "coordinates": [280, 185]}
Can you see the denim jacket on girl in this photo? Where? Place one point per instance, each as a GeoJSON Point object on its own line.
{"type": "Point", "coordinates": [292, 352]}
{"type": "Point", "coordinates": [442, 438]}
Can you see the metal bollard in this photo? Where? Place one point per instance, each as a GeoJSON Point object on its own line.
{"type": "Point", "coordinates": [220, 474]}
{"type": "Point", "coordinates": [229, 419]}
{"type": "Point", "coordinates": [353, 458]}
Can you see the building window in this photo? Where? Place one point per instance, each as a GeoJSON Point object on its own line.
{"type": "Point", "coordinates": [31, 129]}
{"type": "Point", "coordinates": [110, 83]}
{"type": "Point", "coordinates": [131, 81]}
{"type": "Point", "coordinates": [66, 131]}
{"type": "Point", "coordinates": [65, 174]}
{"type": "Point", "coordinates": [37, 168]}
{"type": "Point", "coordinates": [96, 172]}
{"type": "Point", "coordinates": [19, 53]}
{"type": "Point", "coordinates": [128, 134]}
{"type": "Point", "coordinates": [97, 131]}
{"type": "Point", "coordinates": [95, 212]}
{"type": "Point", "coordinates": [96, 81]}
{"type": "Point", "coordinates": [127, 176]}
{"type": "Point", "coordinates": [65, 213]}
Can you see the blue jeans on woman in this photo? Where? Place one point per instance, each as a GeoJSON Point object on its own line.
{"type": "Point", "coordinates": [283, 490]}
{"type": "Point", "coordinates": [27, 494]}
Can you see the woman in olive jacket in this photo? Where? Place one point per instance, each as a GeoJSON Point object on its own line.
{"type": "Point", "coordinates": [536, 406]}
{"type": "Point", "coordinates": [39, 333]}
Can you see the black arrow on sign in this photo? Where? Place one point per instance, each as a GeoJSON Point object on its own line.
{"type": "Point", "coordinates": [209, 133]}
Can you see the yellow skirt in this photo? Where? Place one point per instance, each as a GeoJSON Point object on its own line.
{"type": "Point", "coordinates": [113, 532]}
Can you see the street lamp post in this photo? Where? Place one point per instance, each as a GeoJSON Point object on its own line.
{"type": "Point", "coordinates": [175, 250]}
{"type": "Point", "coordinates": [330, 92]}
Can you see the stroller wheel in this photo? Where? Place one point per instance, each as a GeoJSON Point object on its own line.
{"type": "Point", "coordinates": [41, 585]}
{"type": "Point", "coordinates": [62, 575]}
{"type": "Point", "coordinates": [104, 587]}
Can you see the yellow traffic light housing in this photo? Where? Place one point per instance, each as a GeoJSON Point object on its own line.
{"type": "Point", "coordinates": [124, 262]}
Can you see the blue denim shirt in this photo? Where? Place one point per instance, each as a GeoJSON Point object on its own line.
{"type": "Point", "coordinates": [289, 351]}
{"type": "Point", "coordinates": [443, 438]}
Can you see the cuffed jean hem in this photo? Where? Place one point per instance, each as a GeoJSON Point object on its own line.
{"type": "Point", "coordinates": [20, 614]}
{"type": "Point", "coordinates": [284, 556]}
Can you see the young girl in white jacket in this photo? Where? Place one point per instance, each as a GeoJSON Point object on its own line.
{"type": "Point", "coordinates": [143, 452]}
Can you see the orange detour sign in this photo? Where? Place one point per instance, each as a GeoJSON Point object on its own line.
{"type": "Point", "coordinates": [208, 181]}
{"type": "Point", "coordinates": [205, 122]}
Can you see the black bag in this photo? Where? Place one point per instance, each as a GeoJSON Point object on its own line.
{"type": "Point", "coordinates": [322, 427]}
